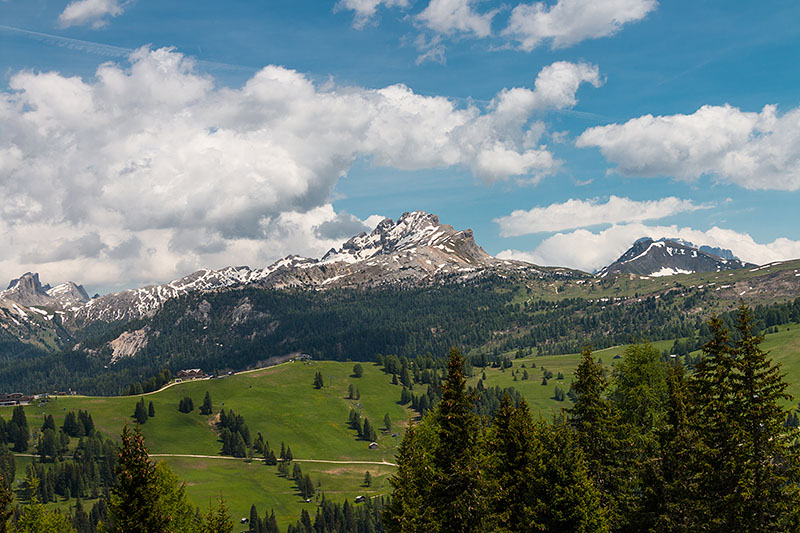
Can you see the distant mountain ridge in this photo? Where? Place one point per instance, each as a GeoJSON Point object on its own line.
{"type": "Point", "coordinates": [664, 257]}
{"type": "Point", "coordinates": [415, 250]}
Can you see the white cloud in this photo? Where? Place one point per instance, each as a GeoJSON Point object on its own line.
{"type": "Point", "coordinates": [456, 16]}
{"type": "Point", "coordinates": [590, 251]}
{"type": "Point", "coordinates": [365, 9]}
{"type": "Point", "coordinates": [90, 12]}
{"type": "Point", "coordinates": [569, 22]}
{"type": "Point", "coordinates": [753, 150]}
{"type": "Point", "coordinates": [153, 159]}
{"type": "Point", "coordinates": [576, 213]}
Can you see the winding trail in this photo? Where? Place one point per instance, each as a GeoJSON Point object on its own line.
{"type": "Point", "coordinates": [195, 456]}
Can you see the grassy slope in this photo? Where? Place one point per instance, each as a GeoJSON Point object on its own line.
{"type": "Point", "coordinates": [282, 404]}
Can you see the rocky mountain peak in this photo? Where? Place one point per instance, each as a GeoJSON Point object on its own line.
{"type": "Point", "coordinates": [664, 257]}
{"type": "Point", "coordinates": [413, 230]}
{"type": "Point", "coordinates": [27, 290]}
{"type": "Point", "coordinates": [69, 292]}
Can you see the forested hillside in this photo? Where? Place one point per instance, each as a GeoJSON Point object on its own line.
{"type": "Point", "coordinates": [238, 329]}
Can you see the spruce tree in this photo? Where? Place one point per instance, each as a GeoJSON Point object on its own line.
{"type": "Point", "coordinates": [599, 435]}
{"type": "Point", "coordinates": [767, 492]}
{"type": "Point", "coordinates": [680, 499]}
{"type": "Point", "coordinates": [151, 410]}
{"type": "Point", "coordinates": [512, 463]}
{"type": "Point", "coordinates": [217, 519]}
{"type": "Point", "coordinates": [456, 498]}
{"type": "Point", "coordinates": [134, 499]}
{"type": "Point", "coordinates": [140, 412]}
{"type": "Point", "coordinates": [6, 498]}
{"type": "Point", "coordinates": [207, 408]}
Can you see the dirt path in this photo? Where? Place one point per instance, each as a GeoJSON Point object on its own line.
{"type": "Point", "coordinates": [194, 456]}
{"type": "Point", "coordinates": [226, 457]}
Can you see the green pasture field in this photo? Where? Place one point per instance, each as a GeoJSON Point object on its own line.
{"type": "Point", "coordinates": [283, 405]}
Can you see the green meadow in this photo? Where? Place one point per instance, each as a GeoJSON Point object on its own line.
{"type": "Point", "coordinates": [282, 404]}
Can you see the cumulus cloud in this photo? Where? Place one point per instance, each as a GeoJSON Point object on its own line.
{"type": "Point", "coordinates": [94, 13]}
{"type": "Point", "coordinates": [591, 251]}
{"type": "Point", "coordinates": [456, 16]}
{"type": "Point", "coordinates": [365, 9]}
{"type": "Point", "coordinates": [157, 161]}
{"type": "Point", "coordinates": [753, 150]}
{"type": "Point", "coordinates": [569, 22]}
{"type": "Point", "coordinates": [576, 213]}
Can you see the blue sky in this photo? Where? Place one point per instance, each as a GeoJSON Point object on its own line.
{"type": "Point", "coordinates": [143, 140]}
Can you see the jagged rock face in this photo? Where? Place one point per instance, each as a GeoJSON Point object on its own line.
{"type": "Point", "coordinates": [415, 250]}
{"type": "Point", "coordinates": [666, 257]}
{"type": "Point", "coordinates": [27, 290]}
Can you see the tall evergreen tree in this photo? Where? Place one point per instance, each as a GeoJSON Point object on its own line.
{"type": "Point", "coordinates": [767, 493]}
{"type": "Point", "coordinates": [207, 408]}
{"type": "Point", "coordinates": [677, 485]}
{"type": "Point", "coordinates": [455, 494]}
{"type": "Point", "coordinates": [6, 498]}
{"type": "Point", "coordinates": [599, 435]}
{"type": "Point", "coordinates": [140, 412]}
{"type": "Point", "coordinates": [513, 461]}
{"type": "Point", "coordinates": [133, 506]}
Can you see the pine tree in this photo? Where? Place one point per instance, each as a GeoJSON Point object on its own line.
{"type": "Point", "coordinates": [564, 496]}
{"type": "Point", "coordinates": [217, 519]}
{"type": "Point", "coordinates": [35, 518]}
{"type": "Point", "coordinates": [272, 523]}
{"type": "Point", "coordinates": [49, 423]}
{"type": "Point", "coordinates": [19, 430]}
{"type": "Point", "coordinates": [254, 519]}
{"type": "Point", "coordinates": [599, 436]}
{"type": "Point", "coordinates": [318, 381]}
{"type": "Point", "coordinates": [358, 370]}
{"type": "Point", "coordinates": [367, 479]}
{"type": "Point", "coordinates": [680, 448]}
{"type": "Point", "coordinates": [207, 408]}
{"type": "Point", "coordinates": [767, 492]}
{"type": "Point", "coordinates": [6, 498]}
{"type": "Point", "coordinates": [140, 412]}
{"type": "Point", "coordinates": [368, 432]}
{"type": "Point", "coordinates": [151, 410]}
{"type": "Point", "coordinates": [134, 500]}
{"type": "Point", "coordinates": [456, 497]}
{"type": "Point", "coordinates": [387, 422]}
{"type": "Point", "coordinates": [512, 463]}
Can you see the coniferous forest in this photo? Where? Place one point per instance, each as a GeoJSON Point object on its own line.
{"type": "Point", "coordinates": [357, 324]}
{"type": "Point", "coordinates": [649, 446]}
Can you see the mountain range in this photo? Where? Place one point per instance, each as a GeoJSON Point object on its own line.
{"type": "Point", "coordinates": [415, 251]}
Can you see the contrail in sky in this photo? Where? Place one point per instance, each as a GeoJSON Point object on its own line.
{"type": "Point", "coordinates": [105, 50]}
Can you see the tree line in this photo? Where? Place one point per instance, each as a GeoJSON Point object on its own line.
{"type": "Point", "coordinates": [648, 448]}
